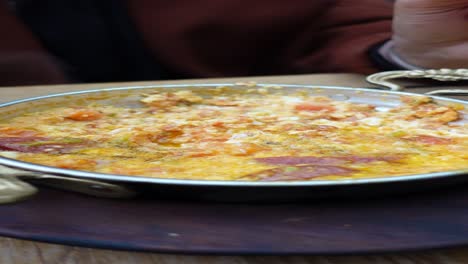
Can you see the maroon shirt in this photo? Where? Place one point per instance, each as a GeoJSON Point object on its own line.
{"type": "Point", "coordinates": [212, 38]}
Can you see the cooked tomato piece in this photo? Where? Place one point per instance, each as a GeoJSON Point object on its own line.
{"type": "Point", "coordinates": [84, 115]}
{"type": "Point", "coordinates": [242, 149]}
{"type": "Point", "coordinates": [166, 136]}
{"type": "Point", "coordinates": [219, 124]}
{"type": "Point", "coordinates": [201, 153]}
{"type": "Point", "coordinates": [76, 164]}
{"type": "Point", "coordinates": [12, 131]}
{"type": "Point", "coordinates": [314, 107]}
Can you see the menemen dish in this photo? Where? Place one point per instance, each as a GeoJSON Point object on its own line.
{"type": "Point", "coordinates": [250, 135]}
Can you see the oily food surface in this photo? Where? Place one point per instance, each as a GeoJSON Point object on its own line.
{"type": "Point", "coordinates": [252, 135]}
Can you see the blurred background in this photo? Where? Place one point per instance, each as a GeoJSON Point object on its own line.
{"type": "Point", "coordinates": [86, 41]}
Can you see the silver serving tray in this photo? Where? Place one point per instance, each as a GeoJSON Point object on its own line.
{"type": "Point", "coordinates": [13, 184]}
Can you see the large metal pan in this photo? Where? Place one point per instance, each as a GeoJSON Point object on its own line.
{"type": "Point", "coordinates": [14, 186]}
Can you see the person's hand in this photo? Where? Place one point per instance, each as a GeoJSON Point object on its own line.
{"type": "Point", "coordinates": [432, 33]}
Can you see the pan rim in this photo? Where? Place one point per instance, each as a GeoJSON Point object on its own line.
{"type": "Point", "coordinates": [187, 182]}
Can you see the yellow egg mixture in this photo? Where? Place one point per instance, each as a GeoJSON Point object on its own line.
{"type": "Point", "coordinates": [249, 136]}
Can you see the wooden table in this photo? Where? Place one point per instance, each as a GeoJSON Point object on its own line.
{"type": "Point", "coordinates": [28, 252]}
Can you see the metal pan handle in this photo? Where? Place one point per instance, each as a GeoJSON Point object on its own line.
{"type": "Point", "coordinates": [13, 185]}
{"type": "Point", "coordinates": [382, 79]}
{"type": "Point", "coordinates": [12, 189]}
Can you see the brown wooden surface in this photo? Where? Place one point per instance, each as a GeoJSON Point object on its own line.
{"type": "Point", "coordinates": [19, 251]}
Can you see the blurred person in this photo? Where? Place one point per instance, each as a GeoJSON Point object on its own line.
{"type": "Point", "coordinates": [55, 41]}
